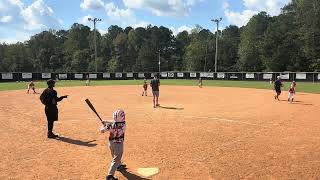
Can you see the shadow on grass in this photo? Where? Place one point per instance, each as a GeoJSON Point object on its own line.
{"type": "Point", "coordinates": [76, 142]}
{"type": "Point", "coordinates": [131, 176]}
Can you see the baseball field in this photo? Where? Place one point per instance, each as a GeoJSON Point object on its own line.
{"type": "Point", "coordinates": [225, 130]}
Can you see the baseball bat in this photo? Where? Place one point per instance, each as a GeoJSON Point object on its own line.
{"type": "Point", "coordinates": [94, 110]}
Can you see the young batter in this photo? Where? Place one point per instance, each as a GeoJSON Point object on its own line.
{"type": "Point", "coordinates": [116, 139]}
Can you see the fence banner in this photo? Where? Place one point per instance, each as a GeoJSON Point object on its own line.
{"type": "Point", "coordinates": [301, 76]}
{"type": "Point", "coordinates": [63, 76]}
{"type": "Point", "coordinates": [318, 76]}
{"type": "Point", "coordinates": [78, 76]}
{"type": "Point", "coordinates": [284, 76]}
{"type": "Point", "coordinates": [171, 74]}
{"type": "Point", "coordinates": [46, 75]}
{"type": "Point", "coordinates": [118, 75]}
{"type": "Point", "coordinates": [129, 75]}
{"type": "Point", "coordinates": [210, 75]}
{"type": "Point", "coordinates": [93, 76]}
{"type": "Point", "coordinates": [7, 76]}
{"type": "Point", "coordinates": [141, 75]}
{"type": "Point", "coordinates": [106, 75]}
{"type": "Point", "coordinates": [164, 74]}
{"type": "Point", "coordinates": [193, 74]}
{"type": "Point", "coordinates": [249, 75]}
{"type": "Point", "coordinates": [233, 76]}
{"type": "Point", "coordinates": [26, 75]}
{"type": "Point", "coordinates": [203, 74]}
{"type": "Point", "coordinates": [221, 75]}
{"type": "Point", "coordinates": [267, 76]}
{"type": "Point", "coordinates": [180, 74]}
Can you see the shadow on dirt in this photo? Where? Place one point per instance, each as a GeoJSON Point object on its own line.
{"type": "Point", "coordinates": [132, 176]}
{"type": "Point", "coordinates": [173, 108]}
{"type": "Point", "coordinates": [76, 142]}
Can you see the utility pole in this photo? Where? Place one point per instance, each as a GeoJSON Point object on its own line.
{"type": "Point", "coordinates": [95, 20]}
{"type": "Point", "coordinates": [217, 21]}
{"type": "Point", "coordinates": [205, 58]}
{"type": "Point", "coordinates": [159, 62]}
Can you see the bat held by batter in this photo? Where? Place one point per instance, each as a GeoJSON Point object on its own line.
{"type": "Point", "coordinates": [94, 110]}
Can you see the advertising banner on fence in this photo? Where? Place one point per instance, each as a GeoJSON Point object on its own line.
{"type": "Point", "coordinates": [7, 76]}
{"type": "Point", "coordinates": [26, 75]}
{"type": "Point", "coordinates": [284, 76]}
{"type": "Point", "coordinates": [141, 75]}
{"type": "Point", "coordinates": [46, 75]}
{"type": "Point", "coordinates": [164, 74]}
{"type": "Point", "coordinates": [118, 75]}
{"type": "Point", "coordinates": [203, 74]}
{"type": "Point", "coordinates": [78, 76]}
{"type": "Point", "coordinates": [93, 76]}
{"type": "Point", "coordinates": [180, 75]}
{"type": "Point", "coordinates": [193, 74]}
{"type": "Point", "coordinates": [129, 75]}
{"type": "Point", "coordinates": [249, 75]}
{"type": "Point", "coordinates": [301, 76]}
{"type": "Point", "coordinates": [233, 76]}
{"type": "Point", "coordinates": [210, 75]}
{"type": "Point", "coordinates": [63, 76]}
{"type": "Point", "coordinates": [171, 74]}
{"type": "Point", "coordinates": [267, 76]}
{"type": "Point", "coordinates": [106, 75]}
{"type": "Point", "coordinates": [220, 75]}
{"type": "Point", "coordinates": [318, 76]}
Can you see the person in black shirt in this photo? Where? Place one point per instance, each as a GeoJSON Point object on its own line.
{"type": "Point", "coordinates": [50, 99]}
{"type": "Point", "coordinates": [155, 83]}
{"type": "Point", "coordinates": [277, 87]}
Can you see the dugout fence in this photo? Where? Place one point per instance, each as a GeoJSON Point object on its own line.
{"type": "Point", "coordinates": [237, 76]}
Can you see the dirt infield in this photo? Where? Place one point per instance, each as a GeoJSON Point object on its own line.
{"type": "Point", "coordinates": [208, 133]}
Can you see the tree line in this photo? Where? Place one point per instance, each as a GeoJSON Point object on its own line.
{"type": "Point", "coordinates": [287, 42]}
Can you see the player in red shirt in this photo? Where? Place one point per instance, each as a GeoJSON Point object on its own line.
{"type": "Point", "coordinates": [145, 88]}
{"type": "Point", "coordinates": [292, 92]}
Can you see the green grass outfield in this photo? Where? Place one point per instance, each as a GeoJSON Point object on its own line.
{"type": "Point", "coordinates": [301, 86]}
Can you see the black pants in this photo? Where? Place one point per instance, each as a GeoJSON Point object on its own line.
{"type": "Point", "coordinates": [52, 115]}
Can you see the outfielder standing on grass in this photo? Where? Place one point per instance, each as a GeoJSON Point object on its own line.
{"type": "Point", "coordinates": [277, 87]}
{"type": "Point", "coordinates": [155, 83]}
{"type": "Point", "coordinates": [116, 139]}
{"type": "Point", "coordinates": [50, 99]}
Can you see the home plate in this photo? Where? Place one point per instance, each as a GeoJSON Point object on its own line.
{"type": "Point", "coordinates": [147, 172]}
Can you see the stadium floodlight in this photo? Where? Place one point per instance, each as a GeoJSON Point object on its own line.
{"type": "Point", "coordinates": [217, 21]}
{"type": "Point", "coordinates": [95, 20]}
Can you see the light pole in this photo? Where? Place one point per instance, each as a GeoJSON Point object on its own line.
{"type": "Point", "coordinates": [159, 61]}
{"type": "Point", "coordinates": [95, 20]}
{"type": "Point", "coordinates": [217, 21]}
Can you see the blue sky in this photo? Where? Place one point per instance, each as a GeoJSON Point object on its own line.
{"type": "Point", "coordinates": [20, 19]}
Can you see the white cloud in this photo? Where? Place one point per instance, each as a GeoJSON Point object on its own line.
{"type": "Point", "coordinates": [239, 19]}
{"type": "Point", "coordinates": [24, 20]}
{"type": "Point", "coordinates": [176, 8]}
{"type": "Point", "coordinates": [92, 5]}
{"type": "Point", "coordinates": [252, 7]}
{"type": "Point", "coordinates": [180, 29]}
{"type": "Point", "coordinates": [84, 20]}
{"type": "Point", "coordinates": [6, 19]}
{"type": "Point", "coordinates": [122, 17]}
